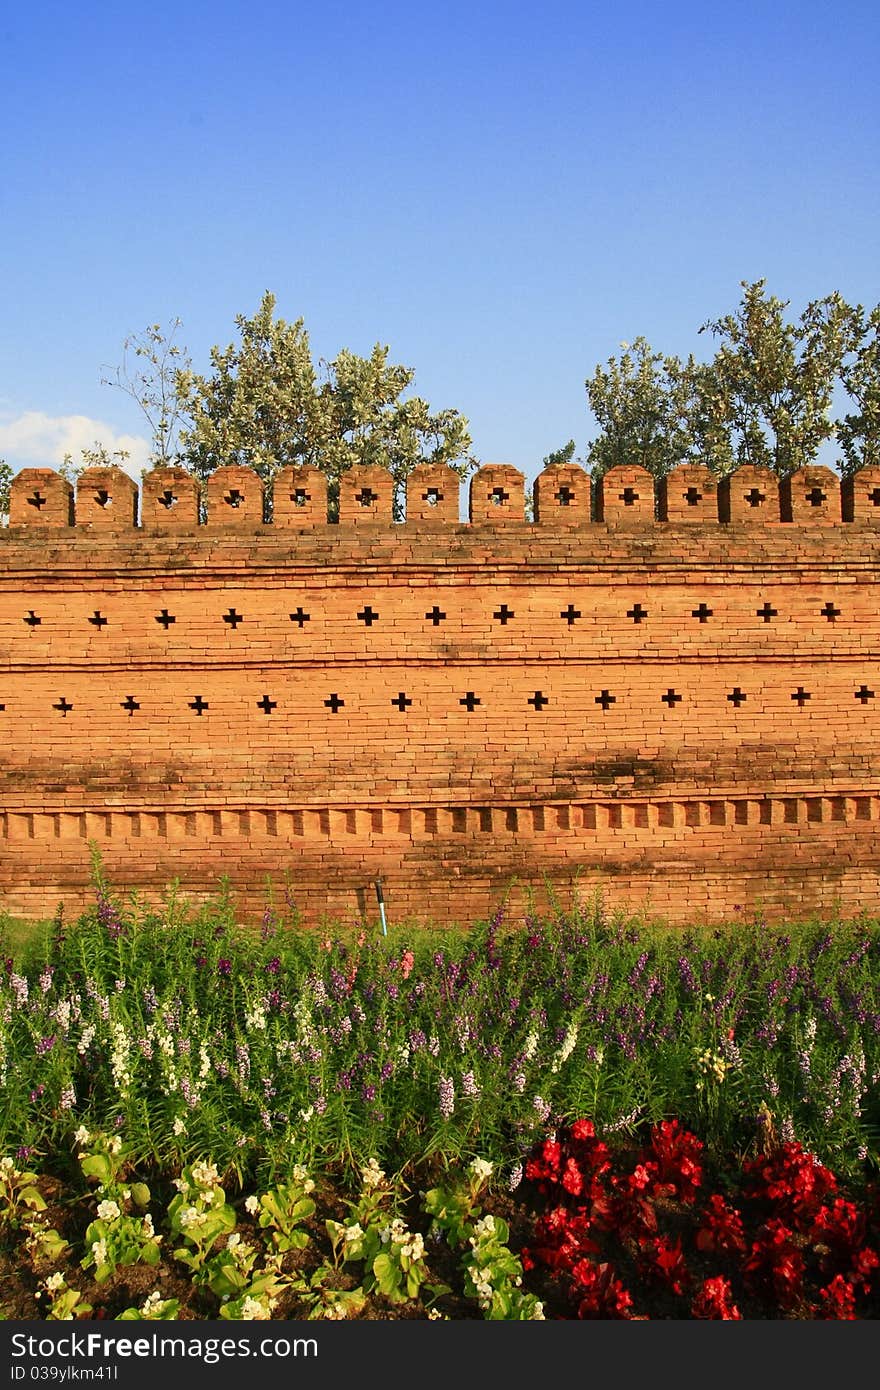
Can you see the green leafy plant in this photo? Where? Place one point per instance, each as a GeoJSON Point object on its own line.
{"type": "Point", "coordinates": [283, 1210]}
{"type": "Point", "coordinates": [200, 1216]}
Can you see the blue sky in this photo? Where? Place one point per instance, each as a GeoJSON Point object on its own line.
{"type": "Point", "coordinates": [502, 193]}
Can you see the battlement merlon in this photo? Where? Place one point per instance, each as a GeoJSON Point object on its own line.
{"type": "Point", "coordinates": [107, 501]}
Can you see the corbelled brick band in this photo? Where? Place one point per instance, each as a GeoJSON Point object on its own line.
{"type": "Point", "coordinates": [681, 713]}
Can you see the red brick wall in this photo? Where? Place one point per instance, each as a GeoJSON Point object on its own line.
{"type": "Point", "coordinates": [755, 782]}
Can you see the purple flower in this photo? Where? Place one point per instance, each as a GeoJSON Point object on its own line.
{"type": "Point", "coordinates": [45, 1044]}
{"type": "Point", "coordinates": [224, 966]}
{"type": "Point", "coordinates": [273, 965]}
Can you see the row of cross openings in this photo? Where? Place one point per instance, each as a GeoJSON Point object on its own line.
{"type": "Point", "coordinates": [368, 615]}
{"type": "Point", "coordinates": [470, 701]}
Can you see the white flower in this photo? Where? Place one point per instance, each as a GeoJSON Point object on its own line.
{"type": "Point", "coordinates": [252, 1204]}
{"type": "Point", "coordinates": [353, 1233]}
{"type": "Point", "coordinates": [481, 1169]}
{"type": "Point", "coordinates": [115, 1144]}
{"type": "Point", "coordinates": [191, 1216]}
{"type": "Point", "coordinates": [7, 1165]}
{"type": "Point", "coordinates": [372, 1175]}
{"type": "Point", "coordinates": [484, 1227]}
{"type": "Point", "coordinates": [99, 1252]}
{"type": "Point", "coordinates": [108, 1210]}
{"type": "Point", "coordinates": [252, 1309]}
{"type": "Point", "coordinates": [205, 1174]}
{"type": "Point", "coordinates": [414, 1249]}
{"type": "Point", "coordinates": [178, 1127]}
{"type": "Point", "coordinates": [54, 1282]}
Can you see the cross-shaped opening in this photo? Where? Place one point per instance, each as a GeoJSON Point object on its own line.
{"type": "Point", "coordinates": [692, 496]}
{"type": "Point", "coordinates": [63, 706]}
{"type": "Point", "coordinates": [498, 497]}
{"type": "Point", "coordinates": [503, 614]}
{"type": "Point", "coordinates": [571, 614]}
{"type": "Point", "coordinates": [801, 696]}
{"type": "Point", "coordinates": [539, 700]}
{"type": "Point", "coordinates": [300, 617]}
{"type": "Point", "coordinates": [97, 620]}
{"type": "Point", "coordinates": [470, 701]}
{"type": "Point", "coordinates": [815, 496]}
{"type": "Point", "coordinates": [864, 694]}
{"type": "Point", "coordinates": [435, 616]}
{"type": "Point", "coordinates": [367, 497]}
{"type": "Point", "coordinates": [300, 497]}
{"type": "Point", "coordinates": [637, 613]}
{"type": "Point", "coordinates": [266, 705]}
{"type": "Point", "coordinates": [564, 496]}
{"type": "Point", "coordinates": [37, 499]}
{"type": "Point", "coordinates": [433, 496]}
{"type": "Point", "coordinates": [233, 498]}
{"type": "Point", "coordinates": [32, 620]}
{"type": "Point", "coordinates": [103, 498]}
{"type": "Point", "coordinates": [736, 697]}
{"type": "Point", "coordinates": [233, 618]}
{"type": "Point", "coordinates": [167, 499]}
{"type": "Point", "coordinates": [165, 618]}
{"type": "Point", "coordinates": [830, 612]}
{"type": "Point", "coordinates": [629, 496]}
{"type": "Point", "coordinates": [755, 497]}
{"type": "Point", "coordinates": [367, 615]}
{"type": "Point", "coordinates": [605, 699]}
{"type": "Point", "coordinates": [334, 704]}
{"type": "Point", "coordinates": [766, 613]}
{"type": "Point", "coordinates": [874, 496]}
{"type": "Point", "coordinates": [702, 613]}
{"type": "Point", "coordinates": [671, 698]}
{"type": "Point", "coordinates": [130, 704]}
{"type": "Point", "coordinates": [198, 704]}
{"type": "Point", "coordinates": [401, 701]}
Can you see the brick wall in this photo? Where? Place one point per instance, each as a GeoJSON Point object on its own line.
{"type": "Point", "coordinates": [677, 704]}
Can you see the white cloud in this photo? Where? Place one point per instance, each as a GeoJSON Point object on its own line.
{"type": "Point", "coordinates": [37, 440]}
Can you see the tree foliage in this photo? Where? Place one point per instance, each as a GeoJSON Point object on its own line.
{"type": "Point", "coordinates": [266, 404]}
{"type": "Point", "coordinates": [765, 397]}
{"type": "Point", "coordinates": [5, 485]}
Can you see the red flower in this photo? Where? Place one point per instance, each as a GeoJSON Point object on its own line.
{"type": "Point", "coordinates": [775, 1265]}
{"type": "Point", "coordinates": [714, 1301]}
{"type": "Point", "coordinates": [721, 1231]}
{"type": "Point", "coordinates": [600, 1292]}
{"type": "Point", "coordinates": [838, 1300]}
{"type": "Point", "coordinates": [662, 1260]}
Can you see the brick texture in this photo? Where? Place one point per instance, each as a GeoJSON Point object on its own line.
{"type": "Point", "coordinates": [682, 715]}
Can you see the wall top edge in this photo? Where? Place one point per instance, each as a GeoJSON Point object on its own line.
{"type": "Point", "coordinates": [563, 499]}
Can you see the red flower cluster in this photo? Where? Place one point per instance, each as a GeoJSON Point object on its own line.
{"type": "Point", "coordinates": [609, 1231]}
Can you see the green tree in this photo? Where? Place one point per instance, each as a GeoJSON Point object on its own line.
{"type": "Point", "coordinates": [645, 405]}
{"type": "Point", "coordinates": [267, 405]}
{"type": "Point", "coordinates": [563, 455]}
{"type": "Point", "coordinates": [5, 491]}
{"type": "Point", "coordinates": [767, 393]}
{"type": "Point", "coordinates": [858, 432]}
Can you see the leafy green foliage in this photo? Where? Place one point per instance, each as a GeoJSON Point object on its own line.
{"type": "Point", "coordinates": [267, 405]}
{"type": "Point", "coordinates": [764, 399]}
{"type": "Point", "coordinates": [6, 476]}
